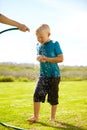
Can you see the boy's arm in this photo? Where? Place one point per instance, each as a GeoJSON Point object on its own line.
{"type": "Point", "coordinates": [6, 20]}
{"type": "Point", "coordinates": [57, 59]}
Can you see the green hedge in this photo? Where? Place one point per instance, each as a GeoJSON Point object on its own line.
{"type": "Point", "coordinates": [7, 79]}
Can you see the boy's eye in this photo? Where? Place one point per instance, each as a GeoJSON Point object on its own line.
{"type": "Point", "coordinates": [40, 37]}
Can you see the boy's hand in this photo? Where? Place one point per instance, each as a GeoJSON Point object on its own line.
{"type": "Point", "coordinates": [41, 58]}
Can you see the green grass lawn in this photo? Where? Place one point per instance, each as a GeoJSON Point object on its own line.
{"type": "Point", "coordinates": [16, 106]}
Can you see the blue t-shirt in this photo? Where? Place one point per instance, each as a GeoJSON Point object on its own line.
{"type": "Point", "coordinates": [50, 49]}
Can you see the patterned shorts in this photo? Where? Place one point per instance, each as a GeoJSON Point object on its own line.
{"type": "Point", "coordinates": [47, 86]}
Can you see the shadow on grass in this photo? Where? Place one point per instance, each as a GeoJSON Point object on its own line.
{"type": "Point", "coordinates": [59, 125]}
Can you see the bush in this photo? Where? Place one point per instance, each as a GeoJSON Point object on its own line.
{"type": "Point", "coordinates": [23, 79]}
{"type": "Point", "coordinates": [7, 79]}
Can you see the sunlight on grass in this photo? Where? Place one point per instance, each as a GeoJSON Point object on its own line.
{"type": "Point", "coordinates": [16, 106]}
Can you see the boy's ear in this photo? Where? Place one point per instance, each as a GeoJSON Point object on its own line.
{"type": "Point", "coordinates": [49, 34]}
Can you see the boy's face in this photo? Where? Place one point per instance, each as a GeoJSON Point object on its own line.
{"type": "Point", "coordinates": [43, 37]}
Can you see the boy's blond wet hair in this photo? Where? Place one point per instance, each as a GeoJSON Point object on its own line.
{"type": "Point", "coordinates": [43, 27]}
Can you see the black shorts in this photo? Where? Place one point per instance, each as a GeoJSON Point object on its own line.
{"type": "Point", "coordinates": [47, 86]}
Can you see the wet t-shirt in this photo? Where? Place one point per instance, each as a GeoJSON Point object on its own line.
{"type": "Point", "coordinates": [50, 49]}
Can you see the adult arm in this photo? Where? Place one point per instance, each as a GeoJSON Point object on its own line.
{"type": "Point", "coordinates": [6, 20]}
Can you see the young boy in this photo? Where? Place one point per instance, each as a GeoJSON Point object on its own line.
{"type": "Point", "coordinates": [6, 20]}
{"type": "Point", "coordinates": [50, 54]}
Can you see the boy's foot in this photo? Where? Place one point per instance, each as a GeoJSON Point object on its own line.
{"type": "Point", "coordinates": [33, 120]}
{"type": "Point", "coordinates": [52, 121]}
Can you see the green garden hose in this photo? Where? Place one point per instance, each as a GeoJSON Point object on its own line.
{"type": "Point", "coordinates": [8, 30]}
{"type": "Point", "coordinates": [10, 126]}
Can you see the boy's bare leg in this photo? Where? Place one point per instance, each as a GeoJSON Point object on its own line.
{"type": "Point", "coordinates": [53, 112]}
{"type": "Point", "coordinates": [36, 112]}
{"type": "Point", "coordinates": [36, 109]}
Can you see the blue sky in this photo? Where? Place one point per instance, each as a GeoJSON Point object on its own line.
{"type": "Point", "coordinates": [66, 18]}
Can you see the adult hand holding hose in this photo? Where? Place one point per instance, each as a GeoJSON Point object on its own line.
{"type": "Point", "coordinates": [6, 20]}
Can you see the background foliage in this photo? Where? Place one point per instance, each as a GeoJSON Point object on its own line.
{"type": "Point", "coordinates": [10, 72]}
